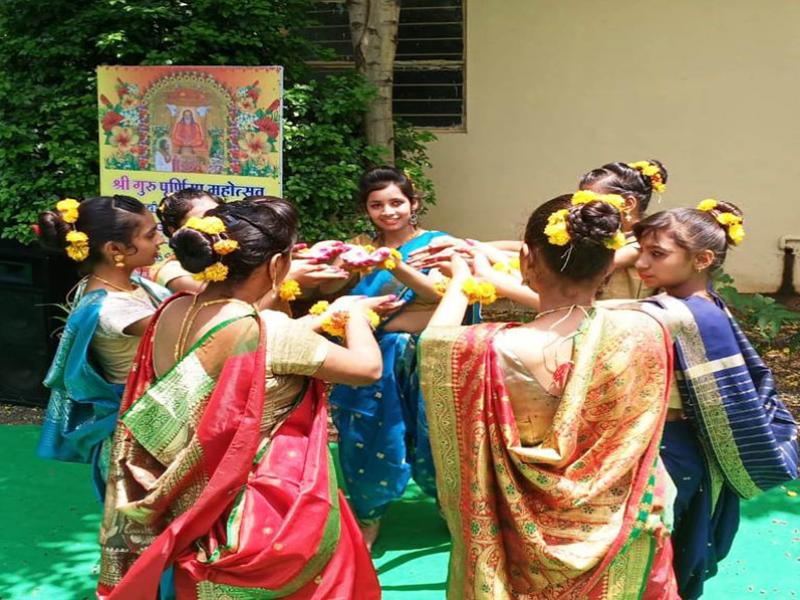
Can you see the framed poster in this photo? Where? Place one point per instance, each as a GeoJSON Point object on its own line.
{"type": "Point", "coordinates": [165, 128]}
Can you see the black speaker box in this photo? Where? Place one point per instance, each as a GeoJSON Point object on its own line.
{"type": "Point", "coordinates": [32, 284]}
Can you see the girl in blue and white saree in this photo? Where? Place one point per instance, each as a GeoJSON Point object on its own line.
{"type": "Point", "coordinates": [728, 435]}
{"type": "Point", "coordinates": [383, 431]}
{"type": "Point", "coordinates": [110, 237]}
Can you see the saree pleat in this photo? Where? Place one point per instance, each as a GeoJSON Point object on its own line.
{"type": "Point", "coordinates": [577, 516]}
{"type": "Point", "coordinates": [239, 512]}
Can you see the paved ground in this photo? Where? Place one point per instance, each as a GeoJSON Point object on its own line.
{"type": "Point", "coordinates": [48, 547]}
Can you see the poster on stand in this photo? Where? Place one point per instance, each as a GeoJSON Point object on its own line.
{"type": "Point", "coordinates": [165, 128]}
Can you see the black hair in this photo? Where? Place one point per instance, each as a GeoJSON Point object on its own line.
{"type": "Point", "coordinates": [382, 177]}
{"type": "Point", "coordinates": [103, 219]}
{"type": "Point", "coordinates": [173, 208]}
{"type": "Point", "coordinates": [590, 227]}
{"type": "Point", "coordinates": [621, 178]}
{"type": "Point", "coordinates": [262, 225]}
{"type": "Point", "coordinates": [693, 230]}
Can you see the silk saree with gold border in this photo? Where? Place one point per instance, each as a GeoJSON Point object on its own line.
{"type": "Point", "coordinates": [196, 483]}
{"type": "Point", "coordinates": [579, 515]}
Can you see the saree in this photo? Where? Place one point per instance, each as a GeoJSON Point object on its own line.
{"type": "Point", "coordinates": [579, 515]}
{"type": "Point", "coordinates": [82, 409]}
{"type": "Point", "coordinates": [737, 440]}
{"type": "Point", "coordinates": [237, 508]}
{"type": "Point", "coordinates": [383, 430]}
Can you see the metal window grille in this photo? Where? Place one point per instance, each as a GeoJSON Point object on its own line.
{"type": "Point", "coordinates": [429, 62]}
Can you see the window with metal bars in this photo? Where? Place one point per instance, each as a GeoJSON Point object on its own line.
{"type": "Point", "coordinates": [429, 63]}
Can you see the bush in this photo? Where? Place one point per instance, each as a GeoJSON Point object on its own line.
{"type": "Point", "coordinates": [48, 98]}
{"type": "Point", "coordinates": [758, 313]}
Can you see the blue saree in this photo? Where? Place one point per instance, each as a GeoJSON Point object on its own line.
{"type": "Point", "coordinates": [738, 438]}
{"type": "Point", "coordinates": [82, 410]}
{"type": "Point", "coordinates": [383, 430]}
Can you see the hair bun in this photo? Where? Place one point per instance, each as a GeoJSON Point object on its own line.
{"type": "Point", "coordinates": [193, 249]}
{"type": "Point", "coordinates": [53, 230]}
{"type": "Point", "coordinates": [593, 222]}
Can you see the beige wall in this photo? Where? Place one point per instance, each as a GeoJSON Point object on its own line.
{"type": "Point", "coordinates": [556, 87]}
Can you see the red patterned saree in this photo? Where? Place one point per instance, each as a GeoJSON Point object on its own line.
{"type": "Point", "coordinates": [579, 515]}
{"type": "Point", "coordinates": [241, 512]}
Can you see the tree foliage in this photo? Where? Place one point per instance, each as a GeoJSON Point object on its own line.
{"type": "Point", "coordinates": [48, 98]}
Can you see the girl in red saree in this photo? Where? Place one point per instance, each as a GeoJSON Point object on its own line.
{"type": "Point", "coordinates": [545, 435]}
{"type": "Point", "coordinates": [220, 466]}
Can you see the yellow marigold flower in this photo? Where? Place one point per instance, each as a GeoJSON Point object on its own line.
{"type": "Point", "coordinates": [728, 219]}
{"type": "Point", "coordinates": [584, 196]}
{"type": "Point", "coordinates": [707, 205]}
{"type": "Point", "coordinates": [67, 204]}
{"type": "Point", "coordinates": [335, 324]}
{"type": "Point", "coordinates": [77, 238]}
{"type": "Point", "coordinates": [207, 225]}
{"type": "Point", "coordinates": [481, 292]}
{"type": "Point", "coordinates": [514, 263]}
{"type": "Point", "coordinates": [441, 285]}
{"type": "Point", "coordinates": [215, 272]}
{"type": "Point", "coordinates": [502, 267]}
{"type": "Point", "coordinates": [289, 290]}
{"type": "Point", "coordinates": [223, 247]}
{"type": "Point", "coordinates": [394, 259]}
{"type": "Point", "coordinates": [374, 319]}
{"type": "Point", "coordinates": [556, 229]}
{"type": "Point", "coordinates": [616, 242]}
{"type": "Point", "coordinates": [646, 168]}
{"type": "Point", "coordinates": [319, 307]}
{"type": "Point", "coordinates": [78, 253]}
{"type": "Point", "coordinates": [369, 248]}
{"type": "Point", "coordinates": [736, 233]}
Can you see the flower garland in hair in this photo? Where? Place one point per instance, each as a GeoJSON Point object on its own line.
{"type": "Point", "coordinates": [556, 228]}
{"type": "Point", "coordinates": [77, 241]}
{"type": "Point", "coordinates": [222, 245]}
{"type": "Point", "coordinates": [335, 324]}
{"type": "Point", "coordinates": [652, 172]}
{"type": "Point", "coordinates": [730, 222]}
{"type": "Point", "coordinates": [289, 290]}
{"type": "Point", "coordinates": [616, 241]}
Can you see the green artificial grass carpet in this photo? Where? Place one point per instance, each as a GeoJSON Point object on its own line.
{"type": "Point", "coordinates": [48, 546]}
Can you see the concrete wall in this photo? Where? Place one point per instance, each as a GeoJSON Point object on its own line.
{"type": "Point", "coordinates": [556, 87]}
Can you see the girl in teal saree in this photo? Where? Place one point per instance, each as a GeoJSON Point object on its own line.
{"type": "Point", "coordinates": [383, 430]}
{"type": "Point", "coordinates": [109, 237]}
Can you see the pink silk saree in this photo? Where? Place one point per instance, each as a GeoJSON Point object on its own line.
{"type": "Point", "coordinates": [579, 515]}
{"type": "Point", "coordinates": [240, 513]}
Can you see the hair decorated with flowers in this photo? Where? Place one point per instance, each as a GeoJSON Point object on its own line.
{"type": "Point", "coordinates": [637, 179]}
{"type": "Point", "coordinates": [81, 228]}
{"type": "Point", "coordinates": [576, 234]}
{"type": "Point", "coordinates": [233, 239]}
{"type": "Point", "coordinates": [173, 208]}
{"type": "Point", "coordinates": [714, 225]}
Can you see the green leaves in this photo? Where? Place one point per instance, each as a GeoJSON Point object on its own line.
{"type": "Point", "coordinates": [48, 99]}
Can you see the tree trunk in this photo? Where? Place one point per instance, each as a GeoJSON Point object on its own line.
{"type": "Point", "coordinates": [373, 29]}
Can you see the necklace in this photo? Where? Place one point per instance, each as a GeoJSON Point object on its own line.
{"type": "Point", "coordinates": [113, 285]}
{"type": "Point", "coordinates": [191, 315]}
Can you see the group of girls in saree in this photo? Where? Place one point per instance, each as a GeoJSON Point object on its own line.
{"type": "Point", "coordinates": [565, 461]}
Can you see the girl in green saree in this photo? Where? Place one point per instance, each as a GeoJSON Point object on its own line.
{"type": "Point", "coordinates": [220, 465]}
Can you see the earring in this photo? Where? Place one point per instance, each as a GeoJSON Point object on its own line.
{"type": "Point", "coordinates": [119, 261]}
{"type": "Point", "coordinates": [414, 220]}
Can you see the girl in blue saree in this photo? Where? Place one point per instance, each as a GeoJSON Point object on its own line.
{"type": "Point", "coordinates": [383, 431]}
{"type": "Point", "coordinates": [728, 435]}
{"type": "Point", "coordinates": [109, 237]}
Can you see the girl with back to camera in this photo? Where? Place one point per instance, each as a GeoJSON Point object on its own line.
{"type": "Point", "coordinates": [545, 435]}
{"type": "Point", "coordinates": [108, 237]}
{"type": "Point", "coordinates": [727, 435]}
{"type": "Point", "coordinates": [220, 465]}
